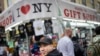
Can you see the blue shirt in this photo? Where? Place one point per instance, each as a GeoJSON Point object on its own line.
{"type": "Point", "coordinates": [35, 48]}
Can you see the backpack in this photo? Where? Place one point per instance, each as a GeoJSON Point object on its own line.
{"type": "Point", "coordinates": [94, 50]}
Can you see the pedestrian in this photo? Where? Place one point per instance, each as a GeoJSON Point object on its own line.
{"type": "Point", "coordinates": [97, 37]}
{"type": "Point", "coordinates": [3, 47]}
{"type": "Point", "coordinates": [65, 44]}
{"type": "Point", "coordinates": [78, 49]}
{"type": "Point", "coordinates": [34, 47]}
{"type": "Point", "coordinates": [47, 48]}
{"type": "Point", "coordinates": [94, 48]}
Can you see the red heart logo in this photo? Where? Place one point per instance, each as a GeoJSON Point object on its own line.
{"type": "Point", "coordinates": [25, 9]}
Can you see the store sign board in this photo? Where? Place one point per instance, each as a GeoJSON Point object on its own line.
{"type": "Point", "coordinates": [30, 9]}
{"type": "Point", "coordinates": [6, 19]}
{"type": "Point", "coordinates": [76, 12]}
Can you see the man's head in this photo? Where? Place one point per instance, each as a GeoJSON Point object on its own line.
{"type": "Point", "coordinates": [68, 32]}
{"type": "Point", "coordinates": [46, 45]}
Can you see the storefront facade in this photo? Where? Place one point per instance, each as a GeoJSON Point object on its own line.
{"type": "Point", "coordinates": [41, 11]}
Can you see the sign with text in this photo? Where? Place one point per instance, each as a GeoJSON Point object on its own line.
{"type": "Point", "coordinates": [76, 11]}
{"type": "Point", "coordinates": [6, 19]}
{"type": "Point", "coordinates": [30, 9]}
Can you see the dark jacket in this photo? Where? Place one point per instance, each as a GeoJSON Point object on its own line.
{"type": "Point", "coordinates": [55, 52]}
{"type": "Point", "coordinates": [78, 49]}
{"type": "Point", "coordinates": [35, 49]}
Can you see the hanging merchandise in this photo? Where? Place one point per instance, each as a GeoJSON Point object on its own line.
{"type": "Point", "coordinates": [21, 31]}
{"type": "Point", "coordinates": [48, 26]}
{"type": "Point", "coordinates": [55, 26]}
{"type": "Point", "coordinates": [10, 33]}
{"type": "Point", "coordinates": [2, 31]}
{"type": "Point", "coordinates": [38, 27]}
{"type": "Point", "coordinates": [13, 32]}
{"type": "Point", "coordinates": [29, 29]}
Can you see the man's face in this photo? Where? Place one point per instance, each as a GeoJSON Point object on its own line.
{"type": "Point", "coordinates": [69, 32]}
{"type": "Point", "coordinates": [45, 49]}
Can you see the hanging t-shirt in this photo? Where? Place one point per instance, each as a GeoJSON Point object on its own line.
{"type": "Point", "coordinates": [10, 32]}
{"type": "Point", "coordinates": [48, 26]}
{"type": "Point", "coordinates": [55, 26]}
{"type": "Point", "coordinates": [21, 31]}
{"type": "Point", "coordinates": [13, 32]}
{"type": "Point", "coordinates": [29, 28]}
{"type": "Point", "coordinates": [38, 27]}
{"type": "Point", "coordinates": [2, 29]}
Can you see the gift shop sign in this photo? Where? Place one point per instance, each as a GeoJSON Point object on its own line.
{"type": "Point", "coordinates": [76, 12]}
{"type": "Point", "coordinates": [6, 18]}
{"type": "Point", "coordinates": [29, 9]}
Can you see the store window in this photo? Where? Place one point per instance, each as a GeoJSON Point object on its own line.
{"type": "Point", "coordinates": [73, 1]}
{"type": "Point", "coordinates": [92, 3]}
{"type": "Point", "coordinates": [84, 2]}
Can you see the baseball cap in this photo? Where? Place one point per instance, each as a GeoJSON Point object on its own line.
{"type": "Point", "coordinates": [45, 41]}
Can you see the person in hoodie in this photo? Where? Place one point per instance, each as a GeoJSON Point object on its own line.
{"type": "Point", "coordinates": [47, 48]}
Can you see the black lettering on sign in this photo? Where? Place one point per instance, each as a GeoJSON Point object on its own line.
{"type": "Point", "coordinates": [37, 7]}
{"type": "Point", "coordinates": [48, 6]}
{"type": "Point", "coordinates": [18, 12]}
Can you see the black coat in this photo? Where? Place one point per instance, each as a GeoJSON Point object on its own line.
{"type": "Point", "coordinates": [55, 52]}
{"type": "Point", "coordinates": [78, 50]}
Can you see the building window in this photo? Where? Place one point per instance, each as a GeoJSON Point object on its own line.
{"type": "Point", "coordinates": [73, 1]}
{"type": "Point", "coordinates": [84, 2]}
{"type": "Point", "coordinates": [92, 3]}
{"type": "Point", "coordinates": [98, 5]}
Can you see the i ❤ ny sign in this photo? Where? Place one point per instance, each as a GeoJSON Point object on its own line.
{"type": "Point", "coordinates": [32, 9]}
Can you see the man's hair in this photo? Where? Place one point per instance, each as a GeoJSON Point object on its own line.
{"type": "Point", "coordinates": [97, 30]}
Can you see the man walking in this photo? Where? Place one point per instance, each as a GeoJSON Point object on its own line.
{"type": "Point", "coordinates": [65, 45]}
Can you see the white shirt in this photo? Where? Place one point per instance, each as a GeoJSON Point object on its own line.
{"type": "Point", "coordinates": [65, 46]}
